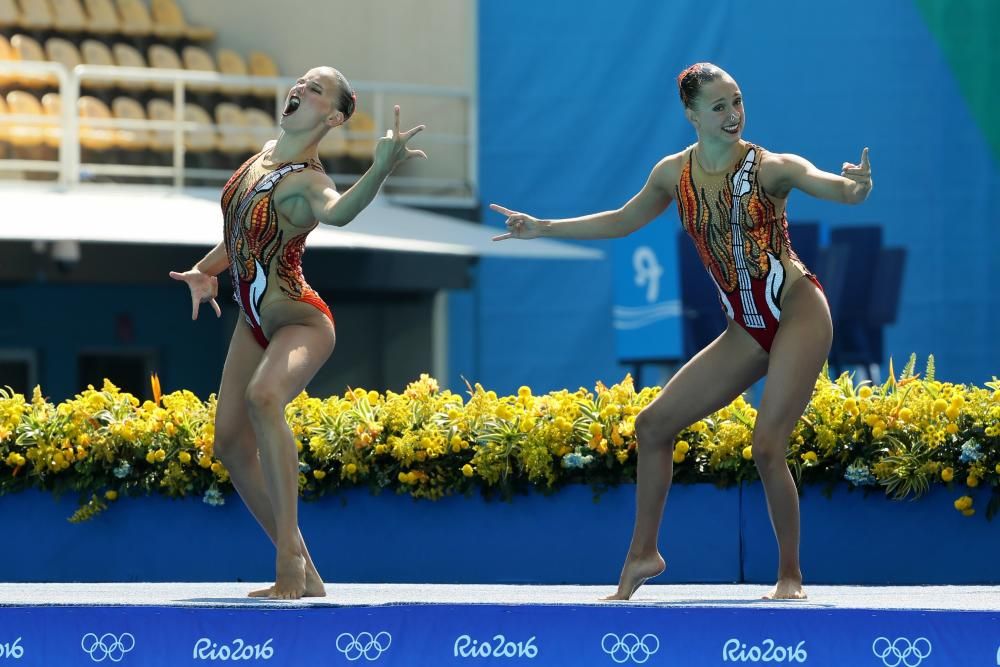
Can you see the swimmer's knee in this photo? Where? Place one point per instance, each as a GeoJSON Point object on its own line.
{"type": "Point", "coordinates": [651, 431]}
{"type": "Point", "coordinates": [263, 399]}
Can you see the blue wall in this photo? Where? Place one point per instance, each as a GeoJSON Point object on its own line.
{"type": "Point", "coordinates": [190, 354]}
{"type": "Point", "coordinates": [577, 106]}
{"type": "Point", "coordinates": [569, 537]}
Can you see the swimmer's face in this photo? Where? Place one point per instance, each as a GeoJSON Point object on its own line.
{"type": "Point", "coordinates": [718, 111]}
{"type": "Point", "coordinates": [312, 101]}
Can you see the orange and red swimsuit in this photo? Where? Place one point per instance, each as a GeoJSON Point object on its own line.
{"type": "Point", "coordinates": [265, 251]}
{"type": "Point", "coordinates": [742, 241]}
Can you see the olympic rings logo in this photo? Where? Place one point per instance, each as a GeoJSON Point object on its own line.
{"type": "Point", "coordinates": [107, 646]}
{"type": "Point", "coordinates": [366, 645]}
{"type": "Point", "coordinates": [901, 651]}
{"type": "Point", "coordinates": [630, 647]}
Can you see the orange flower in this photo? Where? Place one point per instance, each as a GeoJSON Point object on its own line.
{"type": "Point", "coordinates": [154, 381]}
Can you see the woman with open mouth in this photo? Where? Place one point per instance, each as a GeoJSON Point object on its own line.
{"type": "Point", "coordinates": [731, 197]}
{"type": "Point", "coordinates": [269, 206]}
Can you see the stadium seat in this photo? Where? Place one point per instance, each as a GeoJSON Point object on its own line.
{"type": "Point", "coordinates": [102, 17]}
{"type": "Point", "coordinates": [135, 18]}
{"type": "Point", "coordinates": [232, 64]}
{"type": "Point", "coordinates": [25, 135]}
{"type": "Point", "coordinates": [361, 147]}
{"type": "Point", "coordinates": [127, 108]}
{"type": "Point", "coordinates": [68, 17]}
{"type": "Point", "coordinates": [170, 22]}
{"type": "Point", "coordinates": [26, 48]}
{"type": "Point", "coordinates": [198, 59]}
{"type": "Point", "coordinates": [36, 15]}
{"type": "Point", "coordinates": [234, 136]}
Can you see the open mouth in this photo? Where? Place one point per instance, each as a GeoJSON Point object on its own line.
{"type": "Point", "coordinates": [731, 129]}
{"type": "Point", "coordinates": [291, 105]}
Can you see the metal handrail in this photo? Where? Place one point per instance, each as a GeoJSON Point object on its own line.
{"type": "Point", "coordinates": [70, 82]}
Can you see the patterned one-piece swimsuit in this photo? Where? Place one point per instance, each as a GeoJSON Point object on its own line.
{"type": "Point", "coordinates": [741, 240]}
{"type": "Point", "coordinates": [265, 253]}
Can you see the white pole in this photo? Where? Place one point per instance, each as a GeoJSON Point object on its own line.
{"type": "Point", "coordinates": [439, 338]}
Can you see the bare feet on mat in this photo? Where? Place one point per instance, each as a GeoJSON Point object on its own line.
{"type": "Point", "coordinates": [635, 573]}
{"type": "Point", "coordinates": [314, 587]}
{"type": "Point", "coordinates": [290, 580]}
{"type": "Point", "coordinates": [787, 588]}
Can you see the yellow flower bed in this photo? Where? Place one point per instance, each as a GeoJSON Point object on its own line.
{"type": "Point", "coordinates": [903, 436]}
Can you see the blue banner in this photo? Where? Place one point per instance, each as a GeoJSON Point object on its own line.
{"type": "Point", "coordinates": [415, 635]}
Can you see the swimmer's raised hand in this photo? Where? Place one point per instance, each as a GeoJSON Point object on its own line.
{"type": "Point", "coordinates": [391, 149]}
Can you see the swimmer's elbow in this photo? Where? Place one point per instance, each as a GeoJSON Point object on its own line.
{"type": "Point", "coordinates": [335, 220]}
{"type": "Point", "coordinates": [332, 214]}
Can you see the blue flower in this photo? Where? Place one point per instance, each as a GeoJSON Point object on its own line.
{"type": "Point", "coordinates": [122, 470]}
{"type": "Point", "coordinates": [304, 467]}
{"type": "Point", "coordinates": [213, 497]}
{"type": "Point", "coordinates": [859, 475]}
{"type": "Point", "coordinates": [576, 460]}
{"type": "Point", "coordinates": [970, 452]}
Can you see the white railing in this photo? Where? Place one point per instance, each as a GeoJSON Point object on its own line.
{"type": "Point", "coordinates": [69, 165]}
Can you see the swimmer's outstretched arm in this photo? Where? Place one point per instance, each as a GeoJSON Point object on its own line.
{"type": "Point", "coordinates": [852, 186]}
{"type": "Point", "coordinates": [648, 203]}
{"type": "Point", "coordinates": [331, 208]}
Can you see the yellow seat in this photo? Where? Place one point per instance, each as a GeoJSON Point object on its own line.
{"type": "Point", "coordinates": [203, 139]}
{"type": "Point", "coordinates": [68, 16]}
{"type": "Point", "coordinates": [161, 139]}
{"type": "Point", "coordinates": [36, 15]}
{"type": "Point", "coordinates": [95, 52]}
{"type": "Point", "coordinates": [4, 123]}
{"type": "Point", "coordinates": [162, 56]}
{"type": "Point", "coordinates": [361, 147]}
{"type": "Point", "coordinates": [200, 140]}
{"type": "Point", "coordinates": [103, 17]}
{"type": "Point", "coordinates": [127, 108]}
{"type": "Point", "coordinates": [235, 134]}
{"type": "Point", "coordinates": [261, 126]}
{"type": "Point", "coordinates": [52, 109]}
{"type": "Point", "coordinates": [135, 18]}
{"type": "Point", "coordinates": [95, 138]}
{"type": "Point", "coordinates": [10, 16]}
{"type": "Point", "coordinates": [26, 48]}
{"type": "Point", "coordinates": [232, 64]}
{"type": "Point", "coordinates": [25, 135]}
{"type": "Point", "coordinates": [127, 55]}
{"type": "Point", "coordinates": [198, 59]}
{"type": "Point", "coordinates": [170, 20]}
{"type": "Point", "coordinates": [7, 55]}
{"type": "Point", "coordinates": [63, 51]}
{"type": "Point", "coordinates": [262, 64]}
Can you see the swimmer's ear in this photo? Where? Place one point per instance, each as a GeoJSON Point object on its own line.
{"type": "Point", "coordinates": [338, 118]}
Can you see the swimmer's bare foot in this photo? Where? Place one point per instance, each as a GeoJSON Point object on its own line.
{"type": "Point", "coordinates": [314, 587]}
{"type": "Point", "coordinates": [261, 593]}
{"type": "Point", "coordinates": [635, 573]}
{"type": "Point", "coordinates": [314, 584]}
{"type": "Point", "coordinates": [787, 588]}
{"type": "Point", "coordinates": [290, 576]}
